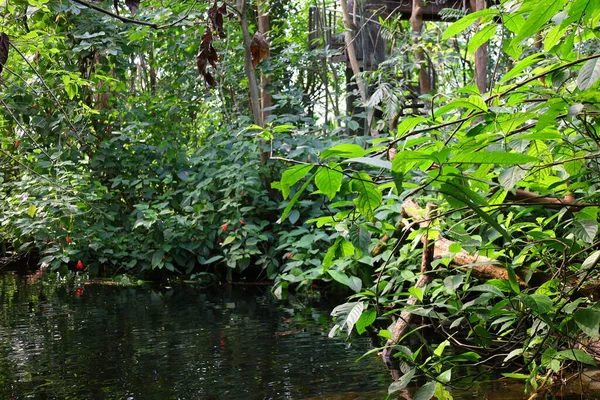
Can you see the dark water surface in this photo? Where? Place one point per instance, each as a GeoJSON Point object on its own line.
{"type": "Point", "coordinates": [99, 341]}
{"type": "Point", "coordinates": [110, 342]}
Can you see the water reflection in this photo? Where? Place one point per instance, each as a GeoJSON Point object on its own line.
{"type": "Point", "coordinates": [108, 342]}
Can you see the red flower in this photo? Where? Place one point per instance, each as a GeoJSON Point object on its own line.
{"type": "Point", "coordinates": [79, 291]}
{"type": "Point", "coordinates": [288, 255]}
{"type": "Point", "coordinates": [16, 143]}
{"type": "Point", "coordinates": [68, 239]}
{"type": "Point", "coordinates": [79, 265]}
{"type": "Point", "coordinates": [224, 227]}
{"type": "Point", "coordinates": [242, 221]}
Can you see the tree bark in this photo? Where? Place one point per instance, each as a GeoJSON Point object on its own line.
{"type": "Point", "coordinates": [481, 54]}
{"type": "Point", "coordinates": [253, 85]}
{"type": "Point", "coordinates": [416, 23]}
{"type": "Point", "coordinates": [266, 101]}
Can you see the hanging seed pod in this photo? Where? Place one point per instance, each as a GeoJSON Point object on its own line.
{"type": "Point", "coordinates": [4, 44]}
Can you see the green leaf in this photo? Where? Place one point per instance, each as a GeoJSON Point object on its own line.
{"type": "Point", "coordinates": [488, 289]}
{"type": "Point", "coordinates": [588, 74]}
{"type": "Point", "coordinates": [374, 162]}
{"type": "Point", "coordinates": [467, 21]}
{"type": "Point", "coordinates": [31, 210]}
{"type": "Point", "coordinates": [426, 391]}
{"type": "Point", "coordinates": [417, 292]}
{"type": "Point", "coordinates": [348, 150]}
{"type": "Point", "coordinates": [157, 258]}
{"type": "Point", "coordinates": [452, 191]}
{"type": "Point", "coordinates": [538, 303]}
{"type": "Point", "coordinates": [329, 179]}
{"type": "Point", "coordinates": [330, 255]}
{"type": "Point", "coordinates": [402, 382]}
{"type": "Point", "coordinates": [591, 261]}
{"type": "Point", "coordinates": [366, 319]}
{"type": "Point", "coordinates": [521, 65]}
{"type": "Point", "coordinates": [294, 200]}
{"type": "Point", "coordinates": [291, 176]}
{"type": "Point", "coordinates": [515, 376]}
{"type": "Point", "coordinates": [360, 237]}
{"type": "Point", "coordinates": [512, 280]}
{"type": "Point", "coordinates": [339, 276]}
{"type": "Point", "coordinates": [585, 229]}
{"type": "Point", "coordinates": [576, 355]}
{"type": "Point", "coordinates": [588, 321]}
{"type": "Point", "coordinates": [184, 175]}
{"type": "Point", "coordinates": [408, 124]}
{"type": "Point", "coordinates": [538, 16]}
{"type": "Point", "coordinates": [347, 314]}
{"type": "Point", "coordinates": [481, 37]}
{"type": "Point", "coordinates": [492, 157]}
{"type": "Point", "coordinates": [403, 158]}
{"type": "Point", "coordinates": [369, 196]}
{"type": "Point", "coordinates": [228, 240]}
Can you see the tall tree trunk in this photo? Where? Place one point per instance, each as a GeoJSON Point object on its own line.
{"type": "Point", "coordinates": [416, 23]}
{"type": "Point", "coordinates": [253, 85]}
{"type": "Point", "coordinates": [266, 101]}
{"type": "Point", "coordinates": [481, 54]}
{"type": "Point", "coordinates": [350, 40]}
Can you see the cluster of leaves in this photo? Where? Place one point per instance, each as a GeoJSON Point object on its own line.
{"type": "Point", "coordinates": [498, 168]}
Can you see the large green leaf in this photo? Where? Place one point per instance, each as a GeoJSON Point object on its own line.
{"type": "Point", "coordinates": [426, 391]}
{"type": "Point", "coordinates": [492, 157]}
{"type": "Point", "coordinates": [352, 282]}
{"type": "Point", "coordinates": [585, 229]}
{"type": "Point", "coordinates": [329, 179]}
{"type": "Point", "coordinates": [369, 197]}
{"type": "Point", "coordinates": [157, 258]}
{"type": "Point", "coordinates": [347, 150]}
{"type": "Point", "coordinates": [539, 15]}
{"type": "Point", "coordinates": [588, 320]}
{"type": "Point", "coordinates": [408, 124]}
{"type": "Point", "coordinates": [402, 382]}
{"type": "Point", "coordinates": [374, 162]}
{"type": "Point", "coordinates": [347, 314]}
{"type": "Point", "coordinates": [588, 74]}
{"type": "Point", "coordinates": [576, 355]}
{"type": "Point", "coordinates": [291, 176]}
{"type": "Point", "coordinates": [481, 37]}
{"type": "Point", "coordinates": [467, 21]}
{"type": "Point", "coordinates": [294, 200]}
{"type": "Point", "coordinates": [366, 319]}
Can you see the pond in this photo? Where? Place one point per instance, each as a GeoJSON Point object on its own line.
{"type": "Point", "coordinates": [99, 341]}
{"type": "Point", "coordinates": [110, 342]}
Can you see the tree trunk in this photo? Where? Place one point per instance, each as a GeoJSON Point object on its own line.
{"type": "Point", "coordinates": [416, 23]}
{"type": "Point", "coordinates": [481, 54]}
{"type": "Point", "coordinates": [266, 101]}
{"type": "Point", "coordinates": [253, 85]}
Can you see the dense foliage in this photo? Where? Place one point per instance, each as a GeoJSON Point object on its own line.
{"type": "Point", "coordinates": [116, 153]}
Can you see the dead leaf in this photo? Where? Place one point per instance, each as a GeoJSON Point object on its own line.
{"type": "Point", "coordinates": [207, 55]}
{"type": "Point", "coordinates": [216, 15]}
{"type": "Point", "coordinates": [259, 48]}
{"type": "Point", "coordinates": [4, 44]}
{"type": "Point", "coordinates": [132, 5]}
